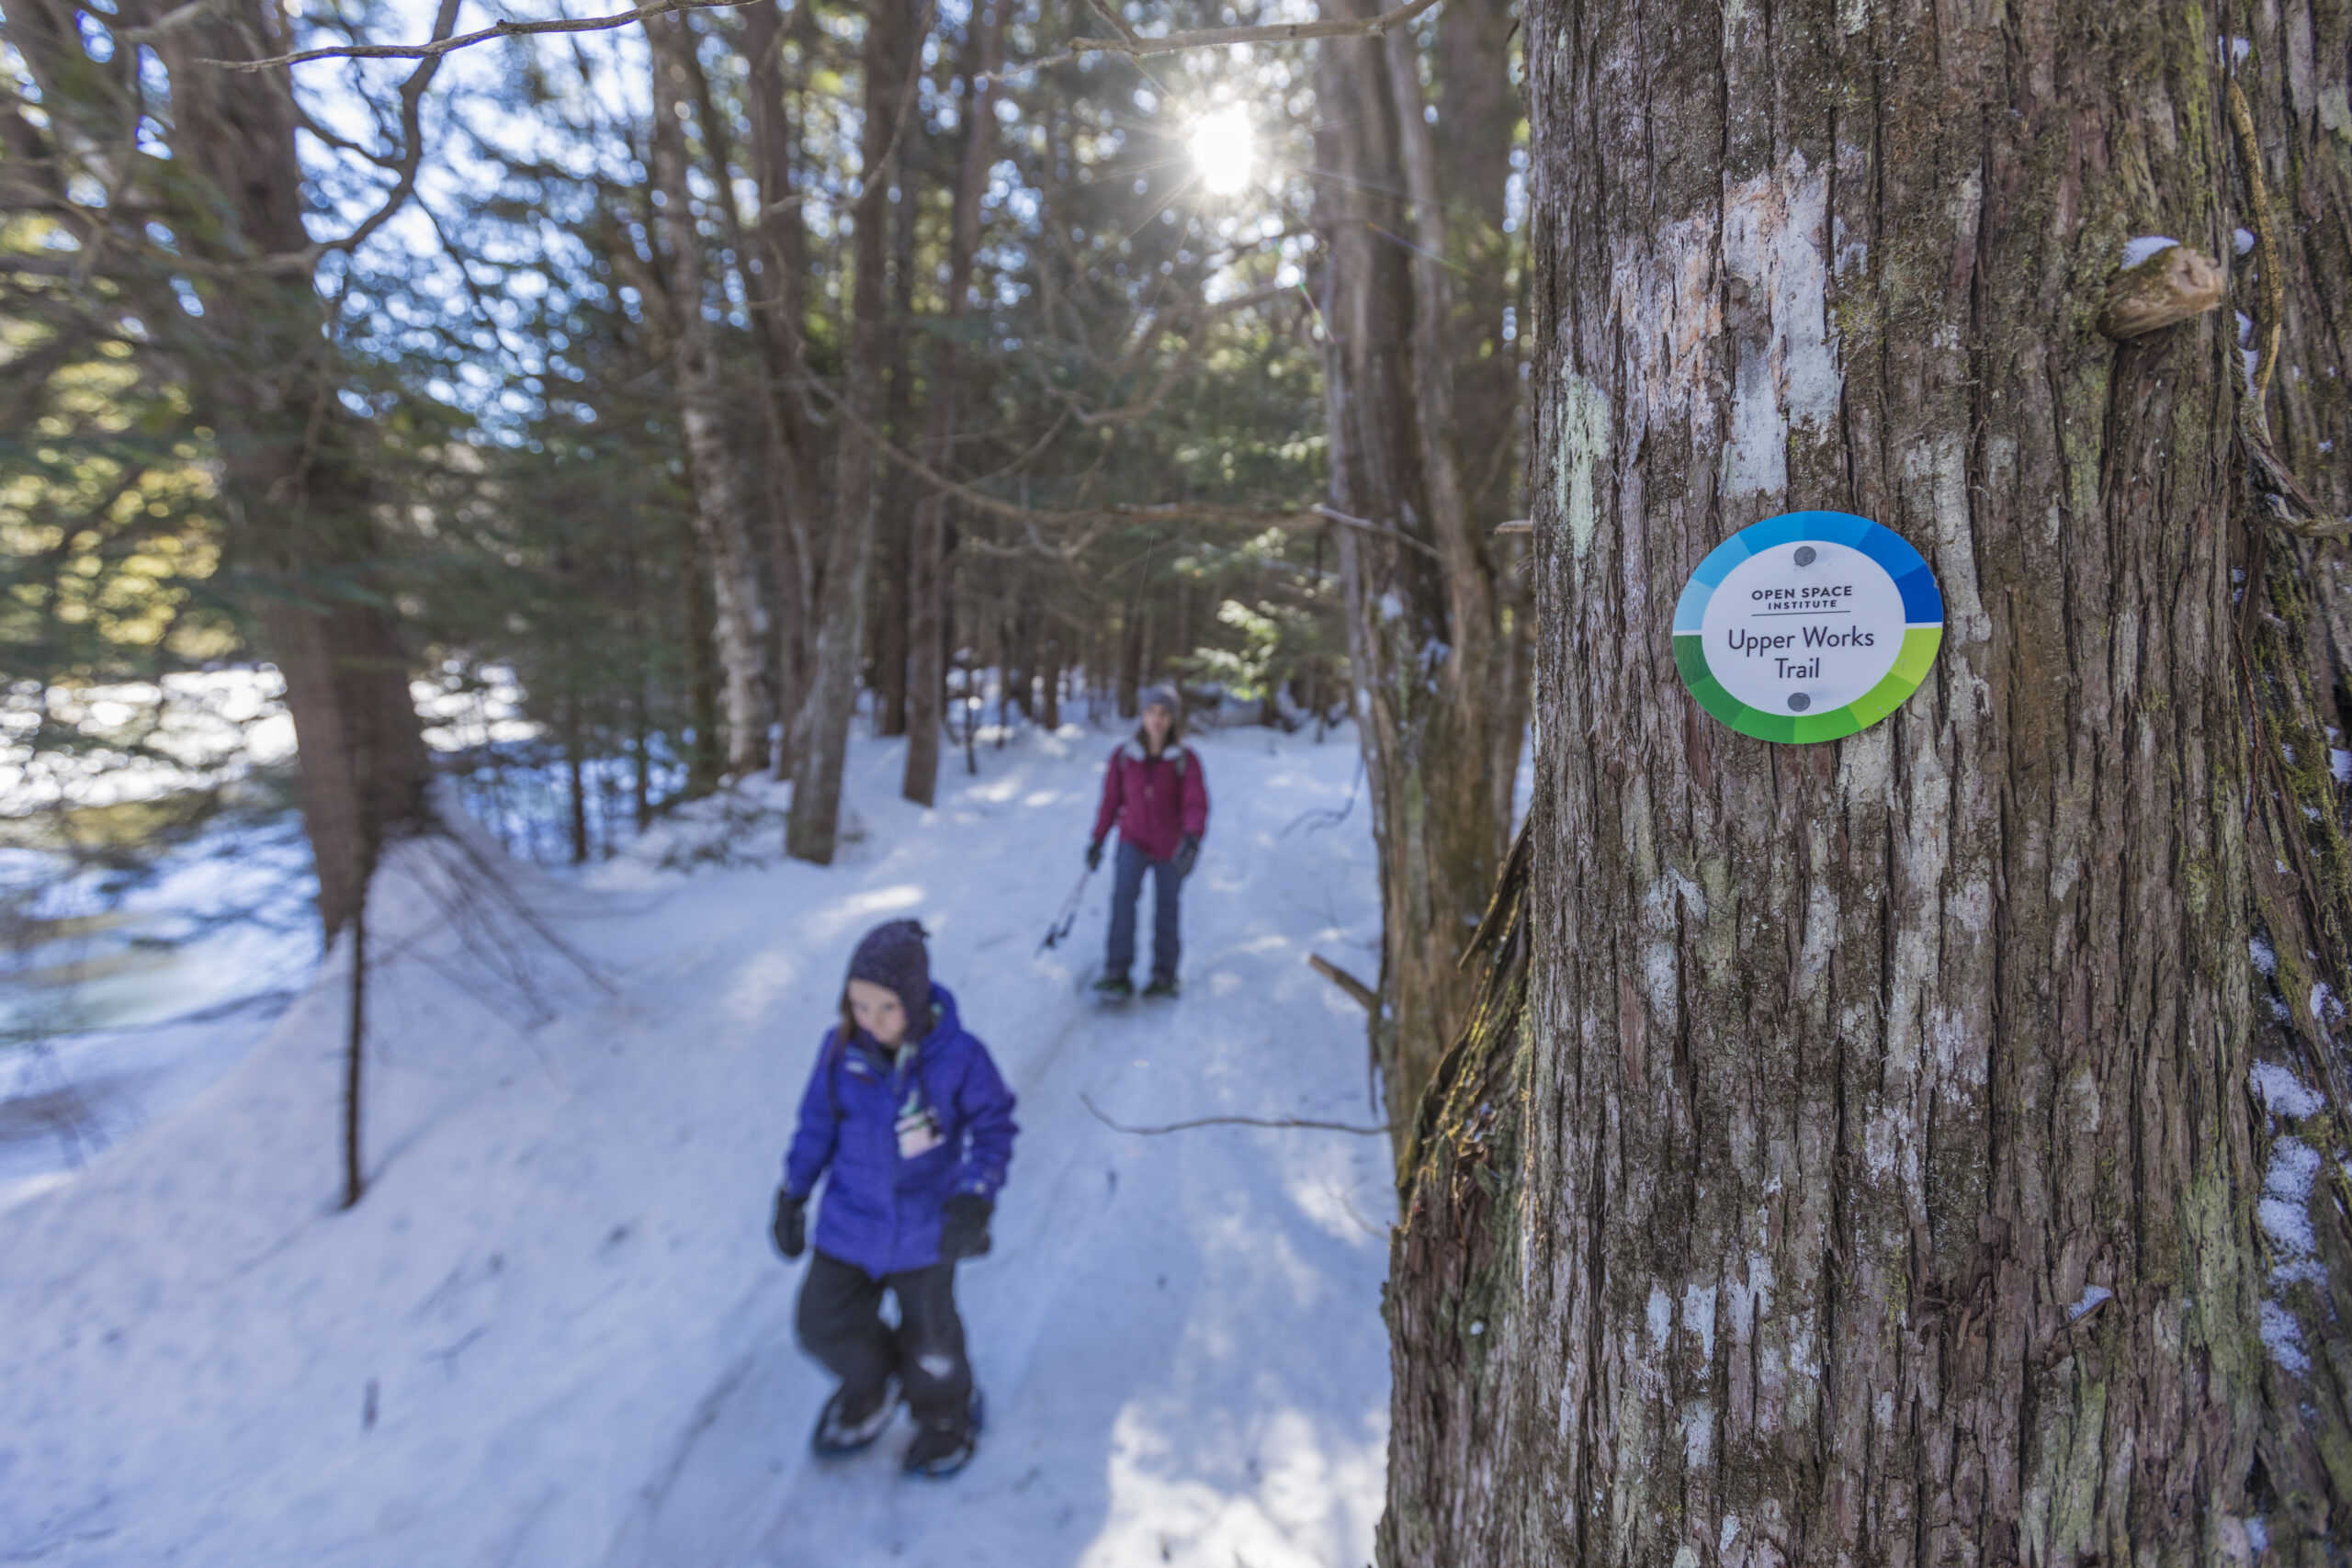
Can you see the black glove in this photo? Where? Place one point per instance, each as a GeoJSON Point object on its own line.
{"type": "Point", "coordinates": [964, 1233]}
{"type": "Point", "coordinates": [1094, 855]}
{"type": "Point", "coordinates": [791, 1225]}
{"type": "Point", "coordinates": [1187, 854]}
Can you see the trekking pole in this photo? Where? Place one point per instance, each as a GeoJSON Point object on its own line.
{"type": "Point", "coordinates": [1069, 916]}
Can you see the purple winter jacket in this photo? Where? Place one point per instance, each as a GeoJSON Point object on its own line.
{"type": "Point", "coordinates": [881, 1210]}
{"type": "Point", "coordinates": [1154, 801]}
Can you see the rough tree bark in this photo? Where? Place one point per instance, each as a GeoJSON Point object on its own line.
{"type": "Point", "coordinates": [927, 575]}
{"type": "Point", "coordinates": [722, 512]}
{"type": "Point", "coordinates": [779, 319]}
{"type": "Point", "coordinates": [1435, 714]}
{"type": "Point", "coordinates": [1892, 1150]}
{"type": "Point", "coordinates": [894, 522]}
{"type": "Point", "coordinates": [894, 31]}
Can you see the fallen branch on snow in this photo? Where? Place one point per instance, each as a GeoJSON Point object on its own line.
{"type": "Point", "coordinates": [1366, 997]}
{"type": "Point", "coordinates": [1233, 1121]}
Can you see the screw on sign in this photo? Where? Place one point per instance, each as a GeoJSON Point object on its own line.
{"type": "Point", "coordinates": [1808, 626]}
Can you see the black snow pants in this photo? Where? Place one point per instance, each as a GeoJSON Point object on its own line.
{"type": "Point", "coordinates": [840, 1325]}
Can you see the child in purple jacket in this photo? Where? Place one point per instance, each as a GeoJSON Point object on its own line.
{"type": "Point", "coordinates": [908, 1114]}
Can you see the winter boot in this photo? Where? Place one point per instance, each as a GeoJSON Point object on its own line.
{"type": "Point", "coordinates": [840, 1430]}
{"type": "Point", "coordinates": [943, 1447]}
{"type": "Point", "coordinates": [1115, 988]}
{"type": "Point", "coordinates": [1162, 986]}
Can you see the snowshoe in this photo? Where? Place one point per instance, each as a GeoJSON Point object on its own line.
{"type": "Point", "coordinates": [943, 1447]}
{"type": "Point", "coordinates": [841, 1432]}
{"type": "Point", "coordinates": [1162, 986]}
{"type": "Point", "coordinates": [1114, 988]}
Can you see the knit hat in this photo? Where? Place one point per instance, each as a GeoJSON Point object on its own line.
{"type": "Point", "coordinates": [892, 955]}
{"type": "Point", "coordinates": [1161, 697]}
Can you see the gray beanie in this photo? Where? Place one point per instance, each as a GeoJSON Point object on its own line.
{"type": "Point", "coordinates": [1161, 697]}
{"type": "Point", "coordinates": [892, 955]}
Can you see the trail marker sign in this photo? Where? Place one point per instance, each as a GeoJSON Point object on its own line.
{"type": "Point", "coordinates": [1808, 626]}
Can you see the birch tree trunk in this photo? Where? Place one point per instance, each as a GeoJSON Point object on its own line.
{"type": "Point", "coordinates": [893, 35]}
{"type": "Point", "coordinates": [1892, 1150]}
{"type": "Point", "coordinates": [1424, 627]}
{"type": "Point", "coordinates": [722, 512]}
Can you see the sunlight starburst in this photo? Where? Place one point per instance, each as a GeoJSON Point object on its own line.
{"type": "Point", "coordinates": [1225, 149]}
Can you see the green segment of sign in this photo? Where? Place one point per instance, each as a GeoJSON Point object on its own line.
{"type": "Point", "coordinates": [1912, 663]}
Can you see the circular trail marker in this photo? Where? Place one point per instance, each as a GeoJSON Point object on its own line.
{"type": "Point", "coordinates": [1808, 626]}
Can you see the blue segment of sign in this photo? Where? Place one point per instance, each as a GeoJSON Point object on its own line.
{"type": "Point", "coordinates": [1923, 613]}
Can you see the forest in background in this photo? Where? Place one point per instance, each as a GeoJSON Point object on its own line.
{"type": "Point", "coordinates": [1082, 383]}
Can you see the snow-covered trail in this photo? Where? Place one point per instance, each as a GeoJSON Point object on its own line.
{"type": "Point", "coordinates": [554, 1334]}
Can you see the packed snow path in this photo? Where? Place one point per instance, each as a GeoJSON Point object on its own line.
{"type": "Point", "coordinates": [554, 1332]}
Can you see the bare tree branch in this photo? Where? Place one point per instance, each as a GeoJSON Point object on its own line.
{"type": "Point", "coordinates": [412, 153]}
{"type": "Point", "coordinates": [1396, 534]}
{"type": "Point", "coordinates": [438, 46]}
{"type": "Point", "coordinates": [1365, 996]}
{"type": "Point", "coordinates": [169, 22]}
{"type": "Point", "coordinates": [1130, 43]}
{"type": "Point", "coordinates": [1136, 48]}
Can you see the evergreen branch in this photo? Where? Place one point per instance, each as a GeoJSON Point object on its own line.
{"type": "Point", "coordinates": [1132, 511]}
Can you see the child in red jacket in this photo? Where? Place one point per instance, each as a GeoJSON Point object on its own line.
{"type": "Point", "coordinates": [1155, 794]}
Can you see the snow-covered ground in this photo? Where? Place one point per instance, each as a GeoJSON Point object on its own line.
{"type": "Point", "coordinates": [554, 1332]}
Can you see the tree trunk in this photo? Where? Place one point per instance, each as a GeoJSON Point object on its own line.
{"type": "Point", "coordinates": [1424, 627]}
{"type": "Point", "coordinates": [894, 524]}
{"type": "Point", "coordinates": [706, 761]}
{"type": "Point", "coordinates": [1131, 661]}
{"type": "Point", "coordinates": [575, 777]}
{"type": "Point", "coordinates": [298, 520]}
{"type": "Point", "coordinates": [1472, 144]}
{"type": "Point", "coordinates": [1853, 1158]}
{"type": "Point", "coordinates": [1049, 682]}
{"type": "Point", "coordinates": [1479, 112]}
{"type": "Point", "coordinates": [892, 38]}
{"type": "Point", "coordinates": [771, 261]}
{"type": "Point", "coordinates": [721, 507]}
{"type": "Point", "coordinates": [927, 563]}
{"type": "Point", "coordinates": [779, 319]}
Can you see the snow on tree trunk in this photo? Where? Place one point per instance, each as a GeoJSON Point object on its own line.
{"type": "Point", "coordinates": [1853, 1156]}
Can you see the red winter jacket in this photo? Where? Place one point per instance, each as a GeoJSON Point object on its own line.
{"type": "Point", "coordinates": [1153, 801]}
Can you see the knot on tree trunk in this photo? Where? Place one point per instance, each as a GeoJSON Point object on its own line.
{"type": "Point", "coordinates": [2171, 285]}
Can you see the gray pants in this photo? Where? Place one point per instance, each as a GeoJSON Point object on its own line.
{"type": "Point", "coordinates": [1125, 890]}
